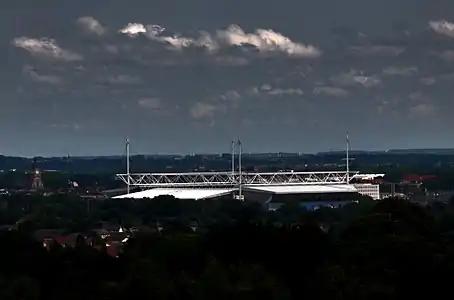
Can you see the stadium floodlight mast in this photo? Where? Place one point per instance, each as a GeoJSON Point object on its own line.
{"type": "Point", "coordinates": [347, 157]}
{"type": "Point", "coordinates": [128, 183]}
{"type": "Point", "coordinates": [240, 171]}
{"type": "Point", "coordinates": [347, 144]}
{"type": "Point", "coordinates": [233, 158]}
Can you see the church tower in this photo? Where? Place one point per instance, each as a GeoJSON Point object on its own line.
{"type": "Point", "coordinates": [37, 182]}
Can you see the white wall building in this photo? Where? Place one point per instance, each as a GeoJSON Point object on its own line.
{"type": "Point", "coordinates": [368, 189]}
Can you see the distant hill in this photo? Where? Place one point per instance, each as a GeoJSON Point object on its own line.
{"type": "Point", "coordinates": [210, 162]}
{"type": "Point", "coordinates": [433, 151]}
{"type": "Point", "coordinates": [352, 152]}
{"type": "Point", "coordinates": [422, 151]}
{"type": "Point", "coordinates": [446, 151]}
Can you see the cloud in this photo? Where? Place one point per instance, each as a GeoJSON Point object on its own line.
{"type": "Point", "coordinates": [46, 48]}
{"type": "Point", "coordinates": [383, 107]}
{"type": "Point", "coordinates": [91, 25]}
{"type": "Point", "coordinates": [35, 76]}
{"type": "Point", "coordinates": [88, 63]}
{"type": "Point", "coordinates": [422, 110]}
{"type": "Point", "coordinates": [442, 27]}
{"type": "Point", "coordinates": [123, 79]}
{"type": "Point", "coordinates": [133, 29]}
{"type": "Point", "coordinates": [355, 78]}
{"type": "Point", "coordinates": [331, 91]}
{"type": "Point", "coordinates": [263, 40]}
{"type": "Point", "coordinates": [151, 103]}
{"type": "Point", "coordinates": [202, 110]}
{"type": "Point", "coordinates": [428, 80]}
{"type": "Point", "coordinates": [418, 97]}
{"type": "Point", "coordinates": [73, 126]}
{"type": "Point", "coordinates": [400, 71]}
{"type": "Point", "coordinates": [231, 96]}
{"type": "Point", "coordinates": [413, 105]}
{"type": "Point", "coordinates": [283, 92]}
{"type": "Point", "coordinates": [272, 91]}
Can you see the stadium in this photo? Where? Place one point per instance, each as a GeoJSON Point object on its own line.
{"type": "Point", "coordinates": [271, 189]}
{"type": "Point", "coordinates": [313, 189]}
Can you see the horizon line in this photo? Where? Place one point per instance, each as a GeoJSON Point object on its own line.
{"type": "Point", "coordinates": [334, 151]}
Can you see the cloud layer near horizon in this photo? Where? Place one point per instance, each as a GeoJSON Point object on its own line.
{"type": "Point", "coordinates": [183, 83]}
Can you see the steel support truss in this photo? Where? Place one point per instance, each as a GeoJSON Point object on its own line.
{"type": "Point", "coordinates": [229, 179]}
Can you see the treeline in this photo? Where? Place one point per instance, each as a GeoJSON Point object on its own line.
{"type": "Point", "coordinates": [443, 177]}
{"type": "Point", "coordinates": [391, 250]}
{"type": "Point", "coordinates": [76, 214]}
{"type": "Point", "coordinates": [61, 180]}
{"type": "Point", "coordinates": [143, 163]}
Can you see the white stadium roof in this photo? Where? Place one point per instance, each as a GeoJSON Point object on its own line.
{"type": "Point", "coordinates": [206, 193]}
{"type": "Point", "coordinates": [304, 189]}
{"type": "Point", "coordinates": [368, 176]}
{"type": "Point", "coordinates": [184, 193]}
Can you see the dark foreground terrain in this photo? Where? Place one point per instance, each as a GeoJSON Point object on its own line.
{"type": "Point", "coordinates": [391, 249]}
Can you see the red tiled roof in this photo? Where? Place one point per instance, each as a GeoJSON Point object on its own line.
{"type": "Point", "coordinates": [112, 250]}
{"type": "Point", "coordinates": [418, 178]}
{"type": "Point", "coordinates": [62, 240]}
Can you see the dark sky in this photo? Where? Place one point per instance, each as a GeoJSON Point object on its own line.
{"type": "Point", "coordinates": [180, 76]}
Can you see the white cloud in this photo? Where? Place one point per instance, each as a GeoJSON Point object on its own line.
{"type": "Point", "coordinates": [442, 27]}
{"type": "Point", "coordinates": [418, 97]}
{"type": "Point", "coordinates": [231, 95]}
{"type": "Point", "coordinates": [46, 48]}
{"type": "Point", "coordinates": [263, 91]}
{"type": "Point", "coordinates": [355, 78]}
{"type": "Point", "coordinates": [382, 107]}
{"type": "Point", "coordinates": [402, 71]}
{"type": "Point", "coordinates": [231, 99]}
{"type": "Point", "coordinates": [422, 110]}
{"type": "Point", "coordinates": [428, 80]}
{"type": "Point", "coordinates": [284, 92]}
{"type": "Point", "coordinates": [133, 29]}
{"type": "Point", "coordinates": [264, 40]}
{"type": "Point", "coordinates": [330, 91]}
{"type": "Point", "coordinates": [91, 25]}
{"type": "Point", "coordinates": [421, 105]}
{"type": "Point", "coordinates": [151, 103]}
{"type": "Point", "coordinates": [202, 110]}
{"type": "Point", "coordinates": [71, 126]}
{"type": "Point", "coordinates": [388, 105]}
{"type": "Point", "coordinates": [35, 76]}
{"type": "Point", "coordinates": [123, 79]}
